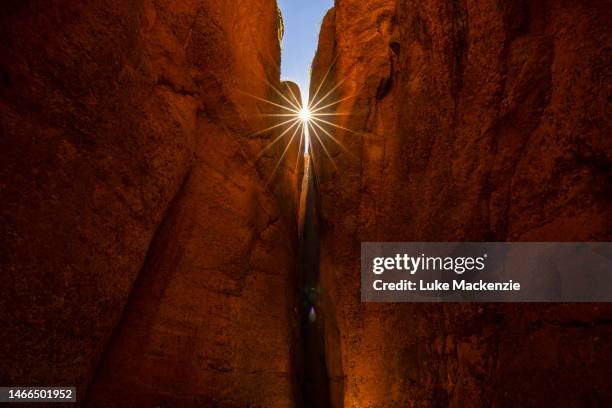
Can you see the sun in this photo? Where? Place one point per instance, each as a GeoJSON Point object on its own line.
{"type": "Point", "coordinates": [305, 114]}
{"type": "Point", "coordinates": [308, 121]}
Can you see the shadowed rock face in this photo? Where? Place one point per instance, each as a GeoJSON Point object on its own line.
{"type": "Point", "coordinates": [128, 151]}
{"type": "Point", "coordinates": [477, 121]}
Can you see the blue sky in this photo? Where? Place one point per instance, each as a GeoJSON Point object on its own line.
{"type": "Point", "coordinates": [302, 20]}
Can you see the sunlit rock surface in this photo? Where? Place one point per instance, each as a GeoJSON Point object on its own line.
{"type": "Point", "coordinates": [132, 203]}
{"type": "Point", "coordinates": [483, 121]}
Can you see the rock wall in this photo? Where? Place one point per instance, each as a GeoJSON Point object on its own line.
{"type": "Point", "coordinates": [483, 121]}
{"type": "Point", "coordinates": [129, 139]}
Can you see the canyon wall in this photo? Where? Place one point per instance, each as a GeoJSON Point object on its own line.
{"type": "Point", "coordinates": [470, 121]}
{"type": "Point", "coordinates": [143, 240]}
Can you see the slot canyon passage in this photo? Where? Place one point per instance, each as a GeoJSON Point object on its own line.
{"type": "Point", "coordinates": [154, 255]}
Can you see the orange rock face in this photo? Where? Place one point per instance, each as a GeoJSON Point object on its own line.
{"type": "Point", "coordinates": [129, 183]}
{"type": "Point", "coordinates": [481, 121]}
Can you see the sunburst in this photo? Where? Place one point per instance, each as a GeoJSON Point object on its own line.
{"type": "Point", "coordinates": [310, 121]}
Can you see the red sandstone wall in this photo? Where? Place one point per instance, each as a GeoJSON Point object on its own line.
{"type": "Point", "coordinates": [475, 121]}
{"type": "Point", "coordinates": [127, 140]}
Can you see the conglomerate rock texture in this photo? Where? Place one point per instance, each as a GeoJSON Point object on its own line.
{"type": "Point", "coordinates": [473, 121]}
{"type": "Point", "coordinates": [139, 234]}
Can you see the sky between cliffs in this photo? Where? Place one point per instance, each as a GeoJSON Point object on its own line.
{"type": "Point", "coordinates": [302, 20]}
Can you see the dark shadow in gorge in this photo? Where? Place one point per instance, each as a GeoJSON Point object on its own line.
{"type": "Point", "coordinates": [315, 381]}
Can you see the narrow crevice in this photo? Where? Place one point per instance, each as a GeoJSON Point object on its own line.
{"type": "Point", "coordinates": [315, 380]}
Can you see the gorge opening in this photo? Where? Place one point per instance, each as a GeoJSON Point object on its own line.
{"type": "Point", "coordinates": [302, 21]}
